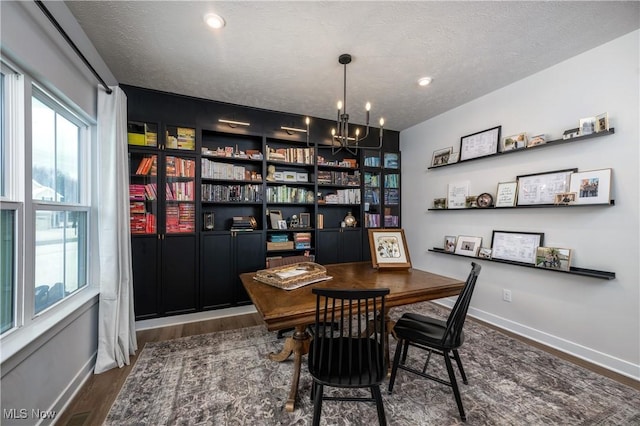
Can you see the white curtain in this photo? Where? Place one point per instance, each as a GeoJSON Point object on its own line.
{"type": "Point", "coordinates": [116, 319]}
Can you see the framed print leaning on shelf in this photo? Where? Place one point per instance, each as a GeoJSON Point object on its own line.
{"type": "Point", "coordinates": [389, 248]}
{"type": "Point", "coordinates": [468, 246]}
{"type": "Point", "coordinates": [592, 187]}
{"type": "Point", "coordinates": [275, 216]}
{"type": "Point", "coordinates": [553, 258]}
{"type": "Point", "coordinates": [602, 122]}
{"type": "Point", "coordinates": [506, 194]}
{"type": "Point", "coordinates": [480, 144]}
{"type": "Point", "coordinates": [450, 243]}
{"type": "Point", "coordinates": [516, 246]}
{"type": "Point", "coordinates": [511, 143]}
{"type": "Point", "coordinates": [441, 157]}
{"type": "Point", "coordinates": [541, 188]}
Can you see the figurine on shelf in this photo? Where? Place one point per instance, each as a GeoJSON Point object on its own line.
{"type": "Point", "coordinates": [271, 171]}
{"type": "Point", "coordinates": [350, 220]}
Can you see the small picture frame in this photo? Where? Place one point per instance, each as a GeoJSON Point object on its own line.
{"type": "Point", "coordinates": [275, 216]}
{"type": "Point", "coordinates": [441, 157]}
{"type": "Point", "coordinates": [471, 202]}
{"type": "Point", "coordinates": [454, 157]}
{"type": "Point", "coordinates": [506, 194]}
{"type": "Point", "coordinates": [468, 246]}
{"type": "Point", "coordinates": [602, 122]}
{"type": "Point", "coordinates": [282, 224]}
{"type": "Point", "coordinates": [439, 203]}
{"type": "Point", "coordinates": [553, 258]}
{"type": "Point", "coordinates": [484, 253]}
{"type": "Point", "coordinates": [566, 198]}
{"type": "Point", "coordinates": [389, 249]}
{"type": "Point", "coordinates": [591, 187]}
{"type": "Point", "coordinates": [513, 142]}
{"type": "Point", "coordinates": [305, 220]}
{"type": "Point", "coordinates": [536, 140]}
{"type": "Point", "coordinates": [450, 243]}
{"type": "Point", "coordinates": [587, 126]}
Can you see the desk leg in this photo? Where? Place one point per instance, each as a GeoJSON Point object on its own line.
{"type": "Point", "coordinates": [298, 344]}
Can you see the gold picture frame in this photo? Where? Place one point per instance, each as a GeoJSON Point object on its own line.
{"type": "Point", "coordinates": [389, 249]}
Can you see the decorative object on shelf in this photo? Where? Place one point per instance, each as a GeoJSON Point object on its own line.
{"type": "Point", "coordinates": [516, 246]}
{"type": "Point", "coordinates": [450, 243]}
{"type": "Point", "coordinates": [234, 123]}
{"type": "Point", "coordinates": [518, 141]}
{"type": "Point", "coordinates": [541, 188]}
{"type": "Point", "coordinates": [506, 194]}
{"type": "Point", "coordinates": [484, 253]}
{"type": "Point", "coordinates": [294, 222]}
{"type": "Point", "coordinates": [468, 246]}
{"type": "Point", "coordinates": [208, 221]}
{"type": "Point", "coordinates": [484, 200]}
{"type": "Point", "coordinates": [341, 134]}
{"type": "Point", "coordinates": [587, 126]}
{"type": "Point", "coordinates": [471, 202]}
{"type": "Point", "coordinates": [571, 133]}
{"type": "Point", "coordinates": [592, 187]}
{"type": "Point", "coordinates": [536, 140]}
{"type": "Point", "coordinates": [453, 157]}
{"type": "Point", "coordinates": [439, 203]}
{"type": "Point", "coordinates": [389, 248]}
{"type": "Point", "coordinates": [553, 258]}
{"type": "Point", "coordinates": [350, 220]}
{"type": "Point", "coordinates": [244, 223]}
{"type": "Point", "coordinates": [602, 122]}
{"type": "Point", "coordinates": [457, 195]}
{"type": "Point", "coordinates": [566, 198]}
{"type": "Point", "coordinates": [282, 224]}
{"type": "Point", "coordinates": [480, 144]}
{"type": "Point", "coordinates": [271, 171]}
{"type": "Point", "coordinates": [441, 156]}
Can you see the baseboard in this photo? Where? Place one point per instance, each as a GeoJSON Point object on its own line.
{"type": "Point", "coordinates": [195, 317]}
{"type": "Point", "coordinates": [584, 353]}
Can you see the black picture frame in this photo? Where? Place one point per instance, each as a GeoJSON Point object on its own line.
{"type": "Point", "coordinates": [480, 144]}
{"type": "Point", "coordinates": [516, 246]}
{"type": "Point", "coordinates": [541, 188]}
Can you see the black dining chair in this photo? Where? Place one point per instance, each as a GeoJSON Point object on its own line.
{"type": "Point", "coordinates": [352, 356]}
{"type": "Point", "coordinates": [436, 336]}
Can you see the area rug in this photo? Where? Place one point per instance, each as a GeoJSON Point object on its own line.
{"type": "Point", "coordinates": [226, 378]}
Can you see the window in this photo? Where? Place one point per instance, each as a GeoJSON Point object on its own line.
{"type": "Point", "coordinates": [61, 212]}
{"type": "Point", "coordinates": [7, 270]}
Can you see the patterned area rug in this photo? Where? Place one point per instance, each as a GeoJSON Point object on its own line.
{"type": "Point", "coordinates": [226, 378]}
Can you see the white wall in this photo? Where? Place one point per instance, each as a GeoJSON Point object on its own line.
{"type": "Point", "coordinates": [51, 366]}
{"type": "Point", "coordinates": [595, 319]}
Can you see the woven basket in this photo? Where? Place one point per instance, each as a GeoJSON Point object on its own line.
{"type": "Point", "coordinates": [289, 277]}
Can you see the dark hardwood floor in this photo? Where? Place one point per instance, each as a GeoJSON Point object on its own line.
{"type": "Point", "coordinates": [92, 403]}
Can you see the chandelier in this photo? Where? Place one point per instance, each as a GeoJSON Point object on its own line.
{"type": "Point", "coordinates": [340, 135]}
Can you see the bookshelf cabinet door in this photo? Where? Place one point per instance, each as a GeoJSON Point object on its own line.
{"type": "Point", "coordinates": [351, 245]}
{"type": "Point", "coordinates": [144, 259]}
{"type": "Point", "coordinates": [327, 247]}
{"type": "Point", "coordinates": [250, 257]}
{"type": "Point", "coordinates": [179, 274]}
{"type": "Point", "coordinates": [218, 275]}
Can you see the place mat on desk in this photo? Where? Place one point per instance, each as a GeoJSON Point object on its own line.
{"type": "Point", "coordinates": [290, 277]}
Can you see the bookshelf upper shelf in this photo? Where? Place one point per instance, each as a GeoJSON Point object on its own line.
{"type": "Point", "coordinates": [545, 145]}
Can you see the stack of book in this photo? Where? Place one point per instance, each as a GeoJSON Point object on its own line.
{"type": "Point", "coordinates": [243, 223]}
{"type": "Point", "coordinates": [302, 240]}
{"type": "Point", "coordinates": [279, 242]}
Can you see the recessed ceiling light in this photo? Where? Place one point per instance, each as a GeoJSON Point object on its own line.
{"type": "Point", "coordinates": [214, 21]}
{"type": "Point", "coordinates": [424, 81]}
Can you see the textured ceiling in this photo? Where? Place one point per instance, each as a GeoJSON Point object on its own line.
{"type": "Point", "coordinates": [283, 56]}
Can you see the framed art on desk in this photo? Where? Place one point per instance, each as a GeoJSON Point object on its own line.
{"type": "Point", "coordinates": [389, 248]}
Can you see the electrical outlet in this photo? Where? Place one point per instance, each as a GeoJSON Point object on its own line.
{"type": "Point", "coordinates": [506, 295]}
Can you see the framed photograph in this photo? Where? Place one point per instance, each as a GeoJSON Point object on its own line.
{"type": "Point", "coordinates": [302, 177]}
{"type": "Point", "coordinates": [553, 258]}
{"type": "Point", "coordinates": [602, 122]}
{"type": "Point", "coordinates": [471, 202]}
{"type": "Point", "coordinates": [450, 243]}
{"type": "Point", "coordinates": [439, 203]}
{"type": "Point", "coordinates": [468, 246]}
{"type": "Point", "coordinates": [514, 142]}
{"type": "Point", "coordinates": [454, 157]}
{"type": "Point", "coordinates": [275, 216]}
{"type": "Point", "coordinates": [305, 220]}
{"type": "Point", "coordinates": [441, 157]}
{"type": "Point", "coordinates": [536, 140]}
{"type": "Point", "coordinates": [565, 198]}
{"type": "Point", "coordinates": [484, 253]}
{"type": "Point", "coordinates": [516, 246]}
{"type": "Point", "coordinates": [587, 126]}
{"type": "Point", "coordinates": [480, 144]}
{"type": "Point", "coordinates": [591, 187]}
{"type": "Point", "coordinates": [506, 194]}
{"type": "Point", "coordinates": [389, 248]}
{"type": "Point", "coordinates": [282, 224]}
{"type": "Point", "coordinates": [290, 176]}
{"type": "Point", "coordinates": [541, 188]}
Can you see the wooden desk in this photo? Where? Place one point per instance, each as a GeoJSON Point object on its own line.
{"type": "Point", "coordinates": [296, 308]}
